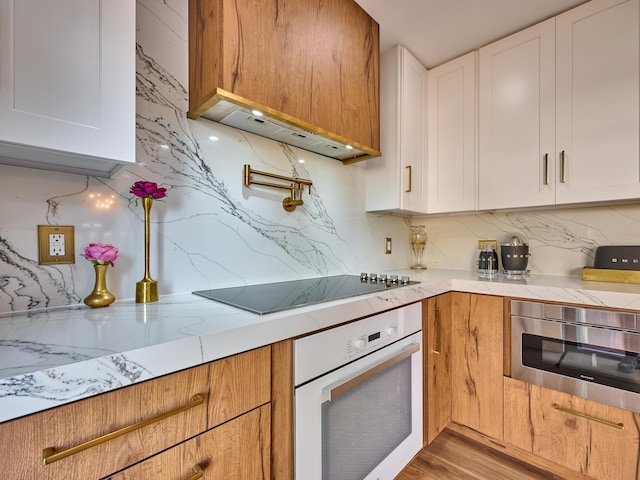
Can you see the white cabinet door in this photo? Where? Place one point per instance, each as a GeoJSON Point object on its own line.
{"type": "Point", "coordinates": [451, 163]}
{"type": "Point", "coordinates": [517, 120]}
{"type": "Point", "coordinates": [67, 84]}
{"type": "Point", "coordinates": [396, 180]}
{"type": "Point", "coordinates": [598, 87]}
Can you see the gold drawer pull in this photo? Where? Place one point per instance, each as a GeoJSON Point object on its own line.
{"type": "Point", "coordinates": [563, 167]}
{"type": "Point", "coordinates": [619, 426]}
{"type": "Point", "coordinates": [546, 169]}
{"type": "Point", "coordinates": [438, 342]}
{"type": "Point", "coordinates": [197, 473]}
{"type": "Point", "coordinates": [49, 455]}
{"type": "Point", "coordinates": [408, 190]}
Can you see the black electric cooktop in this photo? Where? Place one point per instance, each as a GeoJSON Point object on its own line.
{"type": "Point", "coordinates": [275, 297]}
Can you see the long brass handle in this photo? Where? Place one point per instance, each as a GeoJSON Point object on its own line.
{"type": "Point", "coordinates": [438, 343]}
{"type": "Point", "coordinates": [546, 169]}
{"type": "Point", "coordinates": [563, 169]}
{"type": "Point", "coordinates": [49, 455]}
{"type": "Point", "coordinates": [409, 189]}
{"type": "Point", "coordinates": [197, 473]}
{"type": "Point", "coordinates": [372, 372]}
{"type": "Point", "coordinates": [619, 426]}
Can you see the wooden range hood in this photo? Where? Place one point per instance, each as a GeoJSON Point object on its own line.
{"type": "Point", "coordinates": [310, 66]}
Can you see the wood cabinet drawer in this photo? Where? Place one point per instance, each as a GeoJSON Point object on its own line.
{"type": "Point", "coordinates": [588, 437]}
{"type": "Point", "coordinates": [167, 410]}
{"type": "Point", "coordinates": [238, 449]}
{"type": "Point", "coordinates": [239, 384]}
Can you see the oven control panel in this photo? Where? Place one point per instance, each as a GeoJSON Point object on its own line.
{"type": "Point", "coordinates": [372, 340]}
{"type": "Point", "coordinates": [318, 353]}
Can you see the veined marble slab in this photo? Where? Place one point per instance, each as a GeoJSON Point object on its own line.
{"type": "Point", "coordinates": [52, 357]}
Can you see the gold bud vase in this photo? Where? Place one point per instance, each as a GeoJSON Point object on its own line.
{"type": "Point", "coordinates": [100, 297]}
{"type": "Point", "coordinates": [147, 288]}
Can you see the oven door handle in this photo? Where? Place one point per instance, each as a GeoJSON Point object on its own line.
{"type": "Point", "coordinates": [352, 383]}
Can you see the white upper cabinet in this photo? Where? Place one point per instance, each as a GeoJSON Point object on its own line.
{"type": "Point", "coordinates": [598, 116]}
{"type": "Point", "coordinates": [517, 120]}
{"type": "Point", "coordinates": [559, 110]}
{"type": "Point", "coordinates": [451, 164]}
{"type": "Point", "coordinates": [396, 181]}
{"type": "Point", "coordinates": [67, 84]}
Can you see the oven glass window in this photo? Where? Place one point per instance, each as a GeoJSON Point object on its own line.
{"type": "Point", "coordinates": [606, 366]}
{"type": "Point", "coordinates": [363, 426]}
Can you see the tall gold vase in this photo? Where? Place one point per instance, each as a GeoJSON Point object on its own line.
{"type": "Point", "coordinates": [147, 288]}
{"type": "Point", "coordinates": [100, 297]}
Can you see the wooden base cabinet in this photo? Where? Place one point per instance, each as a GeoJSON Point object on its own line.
{"type": "Point", "coordinates": [436, 331]}
{"type": "Point", "coordinates": [477, 362]}
{"type": "Point", "coordinates": [238, 449]}
{"type": "Point", "coordinates": [149, 417]}
{"type": "Point", "coordinates": [591, 438]}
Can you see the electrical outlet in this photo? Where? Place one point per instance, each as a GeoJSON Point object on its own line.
{"type": "Point", "coordinates": [387, 245]}
{"type": "Point", "coordinates": [55, 244]}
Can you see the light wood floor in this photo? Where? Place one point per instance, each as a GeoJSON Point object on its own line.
{"type": "Point", "coordinates": [452, 456]}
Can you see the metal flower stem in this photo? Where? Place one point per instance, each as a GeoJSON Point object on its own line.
{"type": "Point", "coordinates": [147, 288]}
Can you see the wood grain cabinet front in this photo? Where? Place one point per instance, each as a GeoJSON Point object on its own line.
{"type": "Point", "coordinates": [588, 437]}
{"type": "Point", "coordinates": [238, 449]}
{"type": "Point", "coordinates": [312, 64]}
{"type": "Point", "coordinates": [97, 436]}
{"type": "Point", "coordinates": [436, 331]}
{"type": "Point", "coordinates": [477, 362]}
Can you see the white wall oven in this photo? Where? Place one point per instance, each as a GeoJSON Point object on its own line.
{"type": "Point", "coordinates": [358, 398]}
{"type": "Point", "coordinates": [587, 352]}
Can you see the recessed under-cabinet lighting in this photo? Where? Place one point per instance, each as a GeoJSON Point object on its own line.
{"type": "Point", "coordinates": [257, 113]}
{"type": "Point", "coordinates": [348, 147]}
{"type": "Point", "coordinates": [301, 160]}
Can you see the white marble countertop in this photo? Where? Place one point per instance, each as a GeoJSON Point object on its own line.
{"type": "Point", "coordinates": [51, 357]}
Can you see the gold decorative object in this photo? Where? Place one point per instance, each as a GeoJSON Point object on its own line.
{"type": "Point", "coordinates": [610, 275]}
{"type": "Point", "coordinates": [418, 242]}
{"type": "Point", "coordinates": [296, 187]}
{"type": "Point", "coordinates": [147, 288]}
{"type": "Point", "coordinates": [100, 297]}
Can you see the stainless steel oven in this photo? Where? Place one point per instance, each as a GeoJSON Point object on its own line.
{"type": "Point", "coordinates": [358, 398]}
{"type": "Point", "coordinates": [591, 353]}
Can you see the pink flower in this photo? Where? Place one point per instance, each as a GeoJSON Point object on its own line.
{"type": "Point", "coordinates": [100, 253]}
{"type": "Point", "coordinates": [148, 189]}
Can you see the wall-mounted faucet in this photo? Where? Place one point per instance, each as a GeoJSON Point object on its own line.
{"type": "Point", "coordinates": [296, 187]}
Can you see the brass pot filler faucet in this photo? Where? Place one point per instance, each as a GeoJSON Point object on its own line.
{"type": "Point", "coordinates": [296, 187]}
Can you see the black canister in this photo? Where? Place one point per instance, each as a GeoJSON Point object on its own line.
{"type": "Point", "coordinates": [488, 260]}
{"type": "Point", "coordinates": [514, 253]}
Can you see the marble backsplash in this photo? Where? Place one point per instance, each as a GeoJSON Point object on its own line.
{"type": "Point", "coordinates": [561, 240]}
{"type": "Point", "coordinates": [211, 231]}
